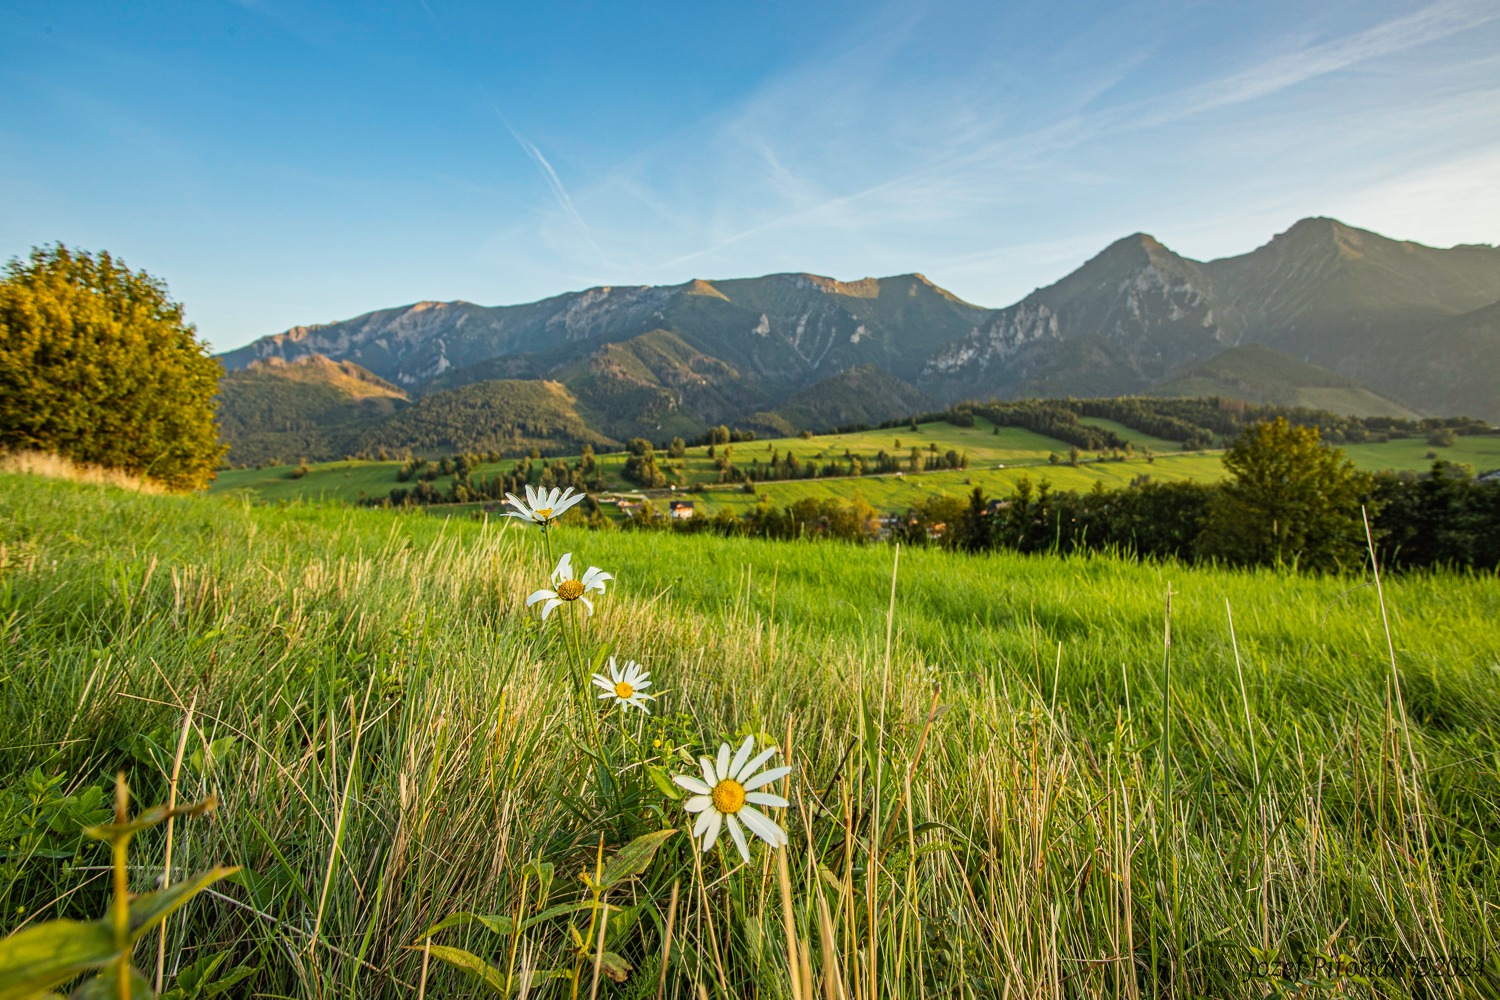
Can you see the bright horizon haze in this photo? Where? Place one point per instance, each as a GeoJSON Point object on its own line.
{"type": "Point", "coordinates": [280, 162]}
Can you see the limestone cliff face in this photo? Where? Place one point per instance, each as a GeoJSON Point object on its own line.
{"type": "Point", "coordinates": [1137, 314]}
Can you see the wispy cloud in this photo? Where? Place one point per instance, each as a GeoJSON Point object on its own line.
{"type": "Point", "coordinates": [1302, 63]}
{"type": "Point", "coordinates": [554, 182]}
{"type": "Point", "coordinates": [1016, 157]}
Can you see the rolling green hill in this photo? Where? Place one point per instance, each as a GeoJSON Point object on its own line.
{"type": "Point", "coordinates": [1260, 375]}
{"type": "Point", "coordinates": [657, 386]}
{"type": "Point", "coordinates": [863, 395]}
{"type": "Point", "coordinates": [506, 416]}
{"type": "Point", "coordinates": [313, 407]}
{"type": "Point", "coordinates": [996, 457]}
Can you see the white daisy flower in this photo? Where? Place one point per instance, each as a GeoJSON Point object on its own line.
{"type": "Point", "coordinates": [727, 796]}
{"type": "Point", "coordinates": [628, 686]}
{"type": "Point", "coordinates": [567, 588]}
{"type": "Point", "coordinates": [541, 506]}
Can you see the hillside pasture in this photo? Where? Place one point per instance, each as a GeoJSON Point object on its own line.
{"type": "Point", "coordinates": [1020, 451]}
{"type": "Point", "coordinates": [1481, 451]}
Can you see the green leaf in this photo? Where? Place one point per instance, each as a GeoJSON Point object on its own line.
{"type": "Point", "coordinates": [560, 910]}
{"type": "Point", "coordinates": [106, 986]}
{"type": "Point", "coordinates": [614, 966]}
{"type": "Point", "coordinates": [621, 920]}
{"type": "Point", "coordinates": [189, 982]}
{"type": "Point", "coordinates": [197, 982]}
{"type": "Point", "coordinates": [496, 923]}
{"type": "Point", "coordinates": [150, 909]}
{"type": "Point", "coordinates": [543, 871]}
{"type": "Point", "coordinates": [662, 779]}
{"type": "Point", "coordinates": [470, 963]}
{"type": "Point", "coordinates": [50, 954]}
{"type": "Point", "coordinates": [527, 983]}
{"type": "Point", "coordinates": [633, 858]}
{"type": "Point", "coordinates": [151, 817]}
{"type": "Point", "coordinates": [238, 973]}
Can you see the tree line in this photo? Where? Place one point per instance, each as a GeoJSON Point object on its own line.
{"type": "Point", "coordinates": [1290, 501]}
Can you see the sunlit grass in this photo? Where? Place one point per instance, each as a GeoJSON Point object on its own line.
{"type": "Point", "coordinates": [1001, 812]}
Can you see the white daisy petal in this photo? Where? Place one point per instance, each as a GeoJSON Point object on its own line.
{"type": "Point", "coordinates": [606, 694]}
{"type": "Point", "coordinates": [723, 771]}
{"type": "Point", "coordinates": [588, 604]}
{"type": "Point", "coordinates": [715, 823]}
{"type": "Point", "coordinates": [552, 497]}
{"type": "Point", "coordinates": [697, 803]}
{"type": "Point", "coordinates": [641, 684]}
{"type": "Point", "coordinates": [708, 771]}
{"type": "Point", "coordinates": [547, 608]}
{"type": "Point", "coordinates": [766, 799]}
{"type": "Point", "coordinates": [604, 682]}
{"type": "Point", "coordinates": [739, 837]}
{"type": "Point", "coordinates": [741, 756]}
{"type": "Point", "coordinates": [755, 764]}
{"type": "Point", "coordinates": [762, 826]}
{"type": "Point", "coordinates": [701, 827]}
{"type": "Point", "coordinates": [540, 595]}
{"type": "Point", "coordinates": [766, 777]}
{"type": "Point", "coordinates": [691, 783]}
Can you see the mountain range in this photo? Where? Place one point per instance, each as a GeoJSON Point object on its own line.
{"type": "Point", "coordinates": [1324, 311]}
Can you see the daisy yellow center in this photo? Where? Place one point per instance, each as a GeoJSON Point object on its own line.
{"type": "Point", "coordinates": [729, 796]}
{"type": "Point", "coordinates": [624, 691]}
{"type": "Point", "coordinates": [545, 513]}
{"type": "Point", "coordinates": [570, 590]}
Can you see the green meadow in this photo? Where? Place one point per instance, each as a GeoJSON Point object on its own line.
{"type": "Point", "coordinates": [1011, 776]}
{"type": "Point", "coordinates": [988, 448]}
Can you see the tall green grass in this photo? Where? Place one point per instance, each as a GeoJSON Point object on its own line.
{"type": "Point", "coordinates": [988, 806]}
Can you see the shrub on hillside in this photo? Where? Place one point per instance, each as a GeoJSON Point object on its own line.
{"type": "Point", "coordinates": [98, 365]}
{"type": "Point", "coordinates": [1289, 499]}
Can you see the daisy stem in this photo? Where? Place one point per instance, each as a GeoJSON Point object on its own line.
{"type": "Point", "coordinates": [573, 636]}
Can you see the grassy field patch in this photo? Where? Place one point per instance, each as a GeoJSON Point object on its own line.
{"type": "Point", "coordinates": [1034, 781]}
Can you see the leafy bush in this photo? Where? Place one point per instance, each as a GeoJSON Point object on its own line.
{"type": "Point", "coordinates": [98, 365]}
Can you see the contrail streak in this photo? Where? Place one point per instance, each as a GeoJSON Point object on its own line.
{"type": "Point", "coordinates": [559, 192]}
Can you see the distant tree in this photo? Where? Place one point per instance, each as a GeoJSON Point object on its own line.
{"type": "Point", "coordinates": [640, 465]}
{"type": "Point", "coordinates": [1289, 498]}
{"type": "Point", "coordinates": [1442, 437]}
{"type": "Point", "coordinates": [97, 364]}
{"type": "Point", "coordinates": [974, 528]}
{"type": "Point", "coordinates": [677, 448]}
{"type": "Point", "coordinates": [588, 465]}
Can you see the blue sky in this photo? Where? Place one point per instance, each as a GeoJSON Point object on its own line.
{"type": "Point", "coordinates": [280, 162]}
